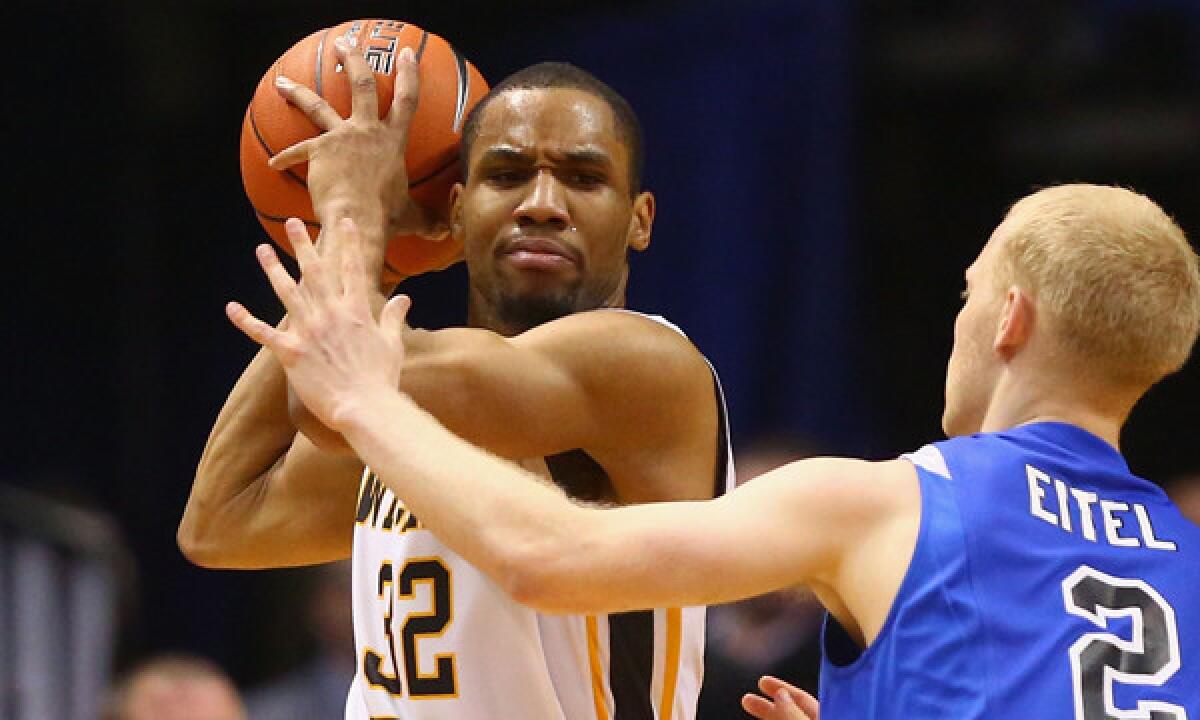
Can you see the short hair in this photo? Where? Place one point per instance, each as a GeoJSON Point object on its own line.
{"type": "Point", "coordinates": [1113, 275]}
{"type": "Point", "coordinates": [564, 75]}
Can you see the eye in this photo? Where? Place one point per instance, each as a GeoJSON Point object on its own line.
{"type": "Point", "coordinates": [585, 179]}
{"type": "Point", "coordinates": [506, 177]}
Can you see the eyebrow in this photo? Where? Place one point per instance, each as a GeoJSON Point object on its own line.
{"type": "Point", "coordinates": [505, 153]}
{"type": "Point", "coordinates": [588, 156]}
{"type": "Point", "coordinates": [580, 156]}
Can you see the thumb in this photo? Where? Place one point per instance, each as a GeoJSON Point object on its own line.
{"type": "Point", "coordinates": [395, 315]}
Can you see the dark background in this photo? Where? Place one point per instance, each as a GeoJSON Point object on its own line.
{"type": "Point", "coordinates": [825, 171]}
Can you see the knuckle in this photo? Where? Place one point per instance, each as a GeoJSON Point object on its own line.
{"type": "Point", "coordinates": [406, 98]}
{"type": "Point", "coordinates": [289, 352]}
{"type": "Point", "coordinates": [365, 81]}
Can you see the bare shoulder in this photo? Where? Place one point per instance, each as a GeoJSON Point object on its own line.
{"type": "Point", "coordinates": [848, 486]}
{"type": "Point", "coordinates": [613, 346]}
{"type": "Point", "coordinates": [613, 327]}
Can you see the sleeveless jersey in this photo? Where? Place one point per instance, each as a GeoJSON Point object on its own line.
{"type": "Point", "coordinates": [1047, 582]}
{"type": "Point", "coordinates": [436, 638]}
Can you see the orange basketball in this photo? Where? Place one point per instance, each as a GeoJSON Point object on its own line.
{"type": "Point", "coordinates": [450, 87]}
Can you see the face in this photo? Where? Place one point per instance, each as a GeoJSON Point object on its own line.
{"type": "Point", "coordinates": [155, 697]}
{"type": "Point", "coordinates": [973, 368]}
{"type": "Point", "coordinates": [546, 216]}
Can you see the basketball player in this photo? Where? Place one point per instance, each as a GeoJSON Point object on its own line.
{"type": "Point", "coordinates": [614, 406]}
{"type": "Point", "coordinates": [1018, 569]}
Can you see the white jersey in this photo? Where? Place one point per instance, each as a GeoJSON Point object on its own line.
{"type": "Point", "coordinates": [437, 639]}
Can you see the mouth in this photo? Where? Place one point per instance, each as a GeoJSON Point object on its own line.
{"type": "Point", "coordinates": [539, 253]}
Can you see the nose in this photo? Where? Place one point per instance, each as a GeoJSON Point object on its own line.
{"type": "Point", "coordinates": [546, 203]}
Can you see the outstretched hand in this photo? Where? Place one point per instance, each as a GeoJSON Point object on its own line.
{"type": "Point", "coordinates": [782, 702]}
{"type": "Point", "coordinates": [334, 351]}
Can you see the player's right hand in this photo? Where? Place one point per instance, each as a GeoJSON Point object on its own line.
{"type": "Point", "coordinates": [356, 166]}
{"type": "Point", "coordinates": [782, 702]}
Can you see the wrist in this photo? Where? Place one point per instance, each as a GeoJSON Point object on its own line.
{"type": "Point", "coordinates": [369, 215]}
{"type": "Point", "coordinates": [364, 409]}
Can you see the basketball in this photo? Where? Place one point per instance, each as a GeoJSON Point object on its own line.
{"type": "Point", "coordinates": [449, 87]}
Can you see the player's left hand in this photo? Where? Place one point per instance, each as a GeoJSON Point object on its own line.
{"type": "Point", "coordinates": [782, 702]}
{"type": "Point", "coordinates": [334, 351]}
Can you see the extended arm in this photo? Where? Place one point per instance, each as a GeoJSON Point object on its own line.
{"type": "Point", "coordinates": [804, 523]}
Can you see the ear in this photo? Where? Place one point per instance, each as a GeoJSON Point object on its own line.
{"type": "Point", "coordinates": [641, 222]}
{"type": "Point", "coordinates": [456, 210]}
{"type": "Point", "coordinates": [1016, 322]}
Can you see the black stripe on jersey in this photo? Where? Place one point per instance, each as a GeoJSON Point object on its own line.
{"type": "Point", "coordinates": [722, 470]}
{"type": "Point", "coordinates": [631, 664]}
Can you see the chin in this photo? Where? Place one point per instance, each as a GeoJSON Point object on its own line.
{"type": "Point", "coordinates": [528, 310]}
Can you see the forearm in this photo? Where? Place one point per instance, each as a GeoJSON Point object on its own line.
{"type": "Point", "coordinates": [558, 556]}
{"type": "Point", "coordinates": [250, 436]}
{"type": "Point", "coordinates": [543, 549]}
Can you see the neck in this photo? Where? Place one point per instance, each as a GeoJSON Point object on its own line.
{"type": "Point", "coordinates": [481, 313]}
{"type": "Point", "coordinates": [1047, 398]}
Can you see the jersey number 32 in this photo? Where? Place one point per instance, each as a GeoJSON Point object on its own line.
{"type": "Point", "coordinates": [442, 681]}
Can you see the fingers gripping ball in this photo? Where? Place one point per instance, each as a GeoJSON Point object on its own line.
{"type": "Point", "coordinates": [449, 87]}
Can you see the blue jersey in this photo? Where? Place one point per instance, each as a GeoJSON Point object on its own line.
{"type": "Point", "coordinates": [1047, 582]}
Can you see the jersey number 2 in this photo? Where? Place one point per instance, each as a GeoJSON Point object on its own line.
{"type": "Point", "coordinates": [1098, 659]}
{"type": "Point", "coordinates": [432, 623]}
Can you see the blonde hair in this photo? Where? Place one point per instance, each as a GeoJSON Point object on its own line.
{"type": "Point", "coordinates": [1113, 275]}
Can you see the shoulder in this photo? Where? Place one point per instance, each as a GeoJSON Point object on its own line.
{"type": "Point", "coordinates": [929, 458]}
{"type": "Point", "coordinates": [848, 519]}
{"type": "Point", "coordinates": [615, 343]}
{"type": "Point", "coordinates": [622, 324]}
{"type": "Point", "coordinates": [866, 486]}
